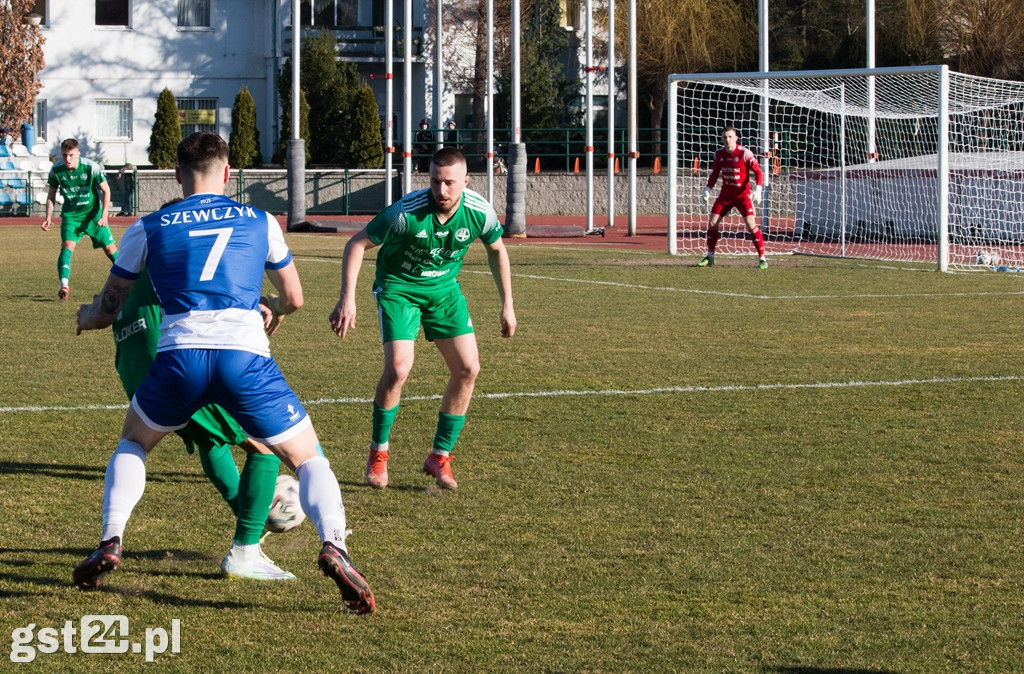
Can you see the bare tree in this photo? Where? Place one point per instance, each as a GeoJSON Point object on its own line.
{"type": "Point", "coordinates": [687, 37]}
{"type": "Point", "coordinates": [21, 53]}
{"type": "Point", "coordinates": [986, 37]}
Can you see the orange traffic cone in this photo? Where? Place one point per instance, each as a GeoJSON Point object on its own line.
{"type": "Point", "coordinates": [536, 165]}
{"type": "Point", "coordinates": [576, 167]}
{"type": "Point", "coordinates": [657, 164]}
{"type": "Point", "coordinates": [616, 164]}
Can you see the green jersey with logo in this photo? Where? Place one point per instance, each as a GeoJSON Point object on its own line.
{"type": "Point", "coordinates": [78, 186]}
{"type": "Point", "coordinates": [416, 249]}
{"type": "Point", "coordinates": [136, 332]}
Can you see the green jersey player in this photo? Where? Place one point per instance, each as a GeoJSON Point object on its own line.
{"type": "Point", "coordinates": [84, 212]}
{"type": "Point", "coordinates": [423, 239]}
{"type": "Point", "coordinates": [212, 431]}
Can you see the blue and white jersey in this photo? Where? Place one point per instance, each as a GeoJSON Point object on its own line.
{"type": "Point", "coordinates": [206, 256]}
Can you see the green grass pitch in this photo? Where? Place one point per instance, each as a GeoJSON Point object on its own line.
{"type": "Point", "coordinates": [817, 467]}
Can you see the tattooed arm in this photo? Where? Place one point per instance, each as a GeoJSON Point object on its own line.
{"type": "Point", "coordinates": [103, 310]}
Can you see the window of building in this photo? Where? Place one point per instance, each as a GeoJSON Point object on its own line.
{"type": "Point", "coordinates": [39, 7]}
{"type": "Point", "coordinates": [194, 13]}
{"type": "Point", "coordinates": [197, 114]}
{"type": "Point", "coordinates": [113, 12]}
{"type": "Point", "coordinates": [330, 13]}
{"type": "Point", "coordinates": [114, 119]}
{"type": "Point", "coordinates": [39, 119]}
{"type": "Point", "coordinates": [570, 19]}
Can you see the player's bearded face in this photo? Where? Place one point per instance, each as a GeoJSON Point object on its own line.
{"type": "Point", "coordinates": [446, 185]}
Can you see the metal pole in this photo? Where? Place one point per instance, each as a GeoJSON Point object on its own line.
{"type": "Point", "coordinates": [765, 143]}
{"type": "Point", "coordinates": [490, 101]}
{"type": "Point", "coordinates": [611, 113]}
{"type": "Point", "coordinates": [589, 147]}
{"type": "Point", "coordinates": [872, 152]}
{"type": "Point", "coordinates": [407, 98]}
{"type": "Point", "coordinates": [438, 70]}
{"type": "Point", "coordinates": [633, 146]}
{"type": "Point", "coordinates": [389, 97]}
{"type": "Point", "coordinates": [296, 145]}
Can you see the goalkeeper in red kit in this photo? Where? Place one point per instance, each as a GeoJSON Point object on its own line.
{"type": "Point", "coordinates": [737, 164]}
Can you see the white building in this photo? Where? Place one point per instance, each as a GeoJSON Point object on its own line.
{"type": "Point", "coordinates": [108, 60]}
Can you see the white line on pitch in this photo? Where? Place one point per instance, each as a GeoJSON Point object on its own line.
{"type": "Point", "coordinates": [560, 393]}
{"type": "Point", "coordinates": [636, 286]}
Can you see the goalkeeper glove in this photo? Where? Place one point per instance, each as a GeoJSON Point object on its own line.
{"type": "Point", "coordinates": [706, 196]}
{"type": "Point", "coordinates": [756, 196]}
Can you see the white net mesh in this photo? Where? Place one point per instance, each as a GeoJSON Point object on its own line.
{"type": "Point", "coordinates": [828, 194]}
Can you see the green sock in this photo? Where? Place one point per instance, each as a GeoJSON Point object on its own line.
{"type": "Point", "coordinates": [448, 428]}
{"type": "Point", "coordinates": [220, 467]}
{"type": "Point", "coordinates": [383, 420]}
{"type": "Point", "coordinates": [255, 494]}
{"type": "Point", "coordinates": [64, 264]}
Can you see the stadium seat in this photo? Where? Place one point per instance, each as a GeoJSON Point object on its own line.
{"type": "Point", "coordinates": [16, 183]}
{"type": "Point", "coordinates": [4, 152]}
{"type": "Point", "coordinates": [6, 203]}
{"type": "Point", "coordinates": [6, 165]}
{"type": "Point", "coordinates": [19, 150]}
{"type": "Point", "coordinates": [41, 151]}
{"type": "Point", "coordinates": [41, 197]}
{"type": "Point", "coordinates": [23, 199]}
{"type": "Point", "coordinates": [26, 165]}
{"type": "Point", "coordinates": [45, 165]}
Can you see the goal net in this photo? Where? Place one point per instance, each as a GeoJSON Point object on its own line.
{"type": "Point", "coordinates": [905, 164]}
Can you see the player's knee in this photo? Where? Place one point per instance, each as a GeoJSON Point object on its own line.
{"type": "Point", "coordinates": [396, 373]}
{"type": "Point", "coordinates": [467, 371]}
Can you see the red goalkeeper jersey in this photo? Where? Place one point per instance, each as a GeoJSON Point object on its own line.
{"type": "Point", "coordinates": [736, 168]}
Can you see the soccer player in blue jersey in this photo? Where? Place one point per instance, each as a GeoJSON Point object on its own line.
{"type": "Point", "coordinates": [206, 257]}
{"type": "Point", "coordinates": [423, 238]}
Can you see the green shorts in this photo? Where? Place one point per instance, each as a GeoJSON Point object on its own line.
{"type": "Point", "coordinates": [443, 313]}
{"type": "Point", "coordinates": [73, 230]}
{"type": "Point", "coordinates": [211, 427]}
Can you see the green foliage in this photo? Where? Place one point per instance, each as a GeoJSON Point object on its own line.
{"type": "Point", "coordinates": [330, 86]}
{"type": "Point", "coordinates": [244, 142]}
{"type": "Point", "coordinates": [366, 150]}
{"type": "Point", "coordinates": [286, 126]}
{"type": "Point", "coordinates": [166, 134]}
{"type": "Point", "coordinates": [547, 95]}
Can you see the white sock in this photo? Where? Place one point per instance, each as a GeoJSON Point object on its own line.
{"type": "Point", "coordinates": [244, 552]}
{"type": "Point", "coordinates": [320, 497]}
{"type": "Point", "coordinates": [63, 283]}
{"type": "Point", "coordinates": [122, 487]}
{"type": "Point", "coordinates": [382, 447]}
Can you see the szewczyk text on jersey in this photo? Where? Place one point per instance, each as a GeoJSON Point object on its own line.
{"type": "Point", "coordinates": [77, 185]}
{"type": "Point", "coordinates": [206, 257]}
{"type": "Point", "coordinates": [417, 249]}
{"type": "Point", "coordinates": [736, 168]}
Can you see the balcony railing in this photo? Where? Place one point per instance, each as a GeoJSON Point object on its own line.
{"type": "Point", "coordinates": [363, 42]}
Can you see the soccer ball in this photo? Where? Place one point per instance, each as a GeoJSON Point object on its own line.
{"type": "Point", "coordinates": [988, 257]}
{"type": "Point", "coordinates": [285, 510]}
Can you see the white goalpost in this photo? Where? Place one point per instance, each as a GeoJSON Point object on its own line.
{"type": "Point", "coordinates": [945, 183]}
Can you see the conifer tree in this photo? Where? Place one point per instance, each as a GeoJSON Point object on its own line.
{"type": "Point", "coordinates": [365, 150]}
{"type": "Point", "coordinates": [244, 142]}
{"type": "Point", "coordinates": [163, 141]}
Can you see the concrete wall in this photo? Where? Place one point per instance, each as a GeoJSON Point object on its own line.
{"type": "Point", "coordinates": [547, 194]}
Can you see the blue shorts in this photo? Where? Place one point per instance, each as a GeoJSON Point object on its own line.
{"type": "Point", "coordinates": [250, 387]}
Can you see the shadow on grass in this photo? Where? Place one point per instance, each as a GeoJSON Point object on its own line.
{"type": "Point", "coordinates": [80, 472]}
{"type": "Point", "coordinates": [826, 670]}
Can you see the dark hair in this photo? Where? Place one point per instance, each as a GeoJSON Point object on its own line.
{"type": "Point", "coordinates": [731, 128]}
{"type": "Point", "coordinates": [448, 156]}
{"type": "Point", "coordinates": [68, 144]}
{"type": "Point", "coordinates": [200, 151]}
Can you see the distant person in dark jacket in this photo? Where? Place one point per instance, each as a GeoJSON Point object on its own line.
{"type": "Point", "coordinates": [451, 139]}
{"type": "Point", "coordinates": [423, 148]}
